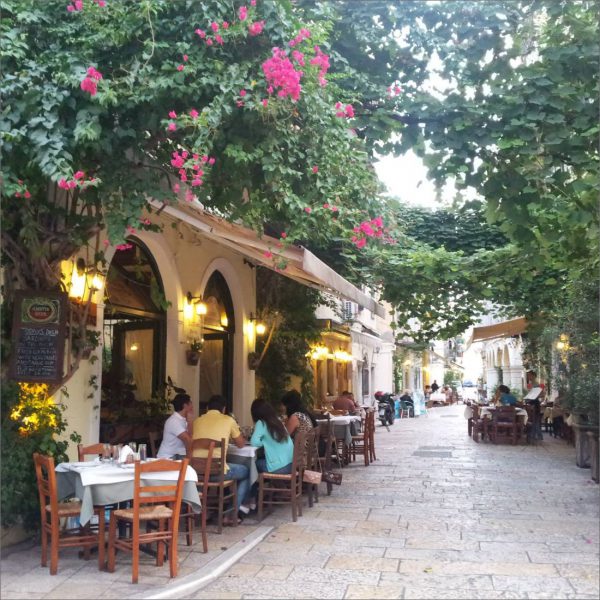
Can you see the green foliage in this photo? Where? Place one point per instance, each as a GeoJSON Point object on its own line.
{"type": "Point", "coordinates": [30, 423]}
{"type": "Point", "coordinates": [292, 306]}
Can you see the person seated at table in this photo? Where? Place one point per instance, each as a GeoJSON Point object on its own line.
{"type": "Point", "coordinates": [434, 386]}
{"type": "Point", "coordinates": [271, 435]}
{"type": "Point", "coordinates": [214, 424]}
{"type": "Point", "coordinates": [505, 397]}
{"type": "Point", "coordinates": [177, 439]}
{"type": "Point", "coordinates": [298, 417]}
{"type": "Point", "coordinates": [345, 401]}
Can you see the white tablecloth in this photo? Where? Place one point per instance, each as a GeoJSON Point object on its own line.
{"type": "Point", "coordinates": [488, 411]}
{"type": "Point", "coordinates": [244, 456]}
{"type": "Point", "coordinates": [100, 484]}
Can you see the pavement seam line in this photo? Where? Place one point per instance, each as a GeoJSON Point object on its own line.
{"type": "Point", "coordinates": [214, 568]}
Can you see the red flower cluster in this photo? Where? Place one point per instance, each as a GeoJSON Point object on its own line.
{"type": "Point", "coordinates": [190, 167]}
{"type": "Point", "coordinates": [372, 228]}
{"type": "Point", "coordinates": [280, 73]}
{"type": "Point", "coordinates": [394, 90]}
{"type": "Point", "coordinates": [22, 192]}
{"type": "Point", "coordinates": [256, 28]}
{"type": "Point", "coordinates": [77, 5]}
{"type": "Point", "coordinates": [302, 35]}
{"type": "Point", "coordinates": [90, 82]}
{"type": "Point", "coordinates": [78, 180]}
{"type": "Point", "coordinates": [322, 60]}
{"type": "Point", "coordinates": [344, 111]}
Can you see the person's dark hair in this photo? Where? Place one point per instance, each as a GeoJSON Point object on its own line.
{"type": "Point", "coordinates": [261, 410]}
{"type": "Point", "coordinates": [216, 402]}
{"type": "Point", "coordinates": [292, 400]}
{"type": "Point", "coordinates": [346, 393]}
{"type": "Point", "coordinates": [180, 401]}
{"type": "Point", "coordinates": [504, 389]}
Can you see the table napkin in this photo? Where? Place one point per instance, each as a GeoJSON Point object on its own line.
{"type": "Point", "coordinates": [125, 452]}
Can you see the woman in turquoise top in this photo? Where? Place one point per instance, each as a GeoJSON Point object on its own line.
{"type": "Point", "coordinates": [270, 433]}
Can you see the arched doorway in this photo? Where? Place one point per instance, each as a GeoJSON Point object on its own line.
{"type": "Point", "coordinates": [133, 351]}
{"type": "Point", "coordinates": [216, 362]}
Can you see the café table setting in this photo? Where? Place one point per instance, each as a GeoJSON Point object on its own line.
{"type": "Point", "coordinates": [105, 482]}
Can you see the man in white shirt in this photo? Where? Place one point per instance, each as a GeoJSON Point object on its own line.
{"type": "Point", "coordinates": [177, 438]}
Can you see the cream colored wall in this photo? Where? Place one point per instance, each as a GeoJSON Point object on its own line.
{"type": "Point", "coordinates": [185, 261]}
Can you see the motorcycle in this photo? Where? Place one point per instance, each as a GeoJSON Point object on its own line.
{"type": "Point", "coordinates": [385, 408]}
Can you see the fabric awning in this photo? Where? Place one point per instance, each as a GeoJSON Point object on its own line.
{"type": "Point", "coordinates": [302, 265]}
{"type": "Point", "coordinates": [499, 330]}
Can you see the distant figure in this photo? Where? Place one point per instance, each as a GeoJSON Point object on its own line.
{"type": "Point", "coordinates": [506, 398]}
{"type": "Point", "coordinates": [434, 386]}
{"type": "Point", "coordinates": [345, 401]}
{"type": "Point", "coordinates": [298, 417]}
{"type": "Point", "coordinates": [177, 439]}
{"type": "Point", "coordinates": [427, 392]}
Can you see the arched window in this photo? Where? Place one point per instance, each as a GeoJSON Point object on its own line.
{"type": "Point", "coordinates": [216, 362]}
{"type": "Point", "coordinates": [133, 353]}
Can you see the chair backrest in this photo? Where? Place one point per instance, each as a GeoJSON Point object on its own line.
{"type": "Point", "coordinates": [203, 465]}
{"type": "Point", "coordinates": [217, 449]}
{"type": "Point", "coordinates": [505, 414]}
{"type": "Point", "coordinates": [46, 481]}
{"type": "Point", "coordinates": [312, 447]}
{"type": "Point", "coordinates": [162, 491]}
{"type": "Point", "coordinates": [154, 439]}
{"type": "Point", "coordinates": [300, 452]}
{"type": "Point", "coordinates": [91, 450]}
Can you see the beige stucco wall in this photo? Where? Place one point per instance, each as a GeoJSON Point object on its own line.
{"type": "Point", "coordinates": [185, 260]}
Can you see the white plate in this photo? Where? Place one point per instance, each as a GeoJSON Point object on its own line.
{"type": "Point", "coordinates": [127, 465]}
{"type": "Point", "coordinates": [85, 464]}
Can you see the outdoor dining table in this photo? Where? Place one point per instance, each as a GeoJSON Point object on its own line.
{"type": "Point", "coordinates": [488, 411]}
{"type": "Point", "coordinates": [344, 426]}
{"type": "Point", "coordinates": [244, 456]}
{"type": "Point", "coordinates": [103, 483]}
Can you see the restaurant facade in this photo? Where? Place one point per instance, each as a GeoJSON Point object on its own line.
{"type": "Point", "coordinates": [179, 305]}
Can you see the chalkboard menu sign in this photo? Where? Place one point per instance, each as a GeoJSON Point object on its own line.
{"type": "Point", "coordinates": [39, 326]}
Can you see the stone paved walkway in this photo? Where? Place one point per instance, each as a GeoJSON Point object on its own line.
{"type": "Point", "coordinates": [436, 516]}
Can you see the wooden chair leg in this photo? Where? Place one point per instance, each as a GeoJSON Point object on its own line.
{"type": "Point", "coordinates": [135, 553]}
{"type": "Point", "coordinates": [173, 550]}
{"type": "Point", "coordinates": [160, 546]}
{"type": "Point", "coordinates": [101, 540]}
{"type": "Point", "coordinates": [203, 527]}
{"type": "Point", "coordinates": [261, 498]}
{"type": "Point", "coordinates": [235, 504]}
{"type": "Point", "coordinates": [44, 545]}
{"type": "Point", "coordinates": [54, 548]}
{"type": "Point", "coordinates": [220, 511]}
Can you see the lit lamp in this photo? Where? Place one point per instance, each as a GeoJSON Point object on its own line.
{"type": "Point", "coordinates": [193, 305]}
{"type": "Point", "coordinates": [258, 327]}
{"type": "Point", "coordinates": [84, 282]}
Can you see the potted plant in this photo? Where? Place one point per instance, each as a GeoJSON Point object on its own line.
{"type": "Point", "coordinates": [193, 354]}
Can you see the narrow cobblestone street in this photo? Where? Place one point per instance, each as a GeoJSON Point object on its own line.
{"type": "Point", "coordinates": [437, 516]}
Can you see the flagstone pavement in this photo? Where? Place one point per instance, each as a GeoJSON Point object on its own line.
{"type": "Point", "coordinates": [436, 516]}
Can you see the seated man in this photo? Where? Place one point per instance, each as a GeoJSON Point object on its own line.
{"type": "Point", "coordinates": [215, 425]}
{"type": "Point", "coordinates": [345, 401]}
{"type": "Point", "coordinates": [177, 441]}
{"type": "Point", "coordinates": [506, 398]}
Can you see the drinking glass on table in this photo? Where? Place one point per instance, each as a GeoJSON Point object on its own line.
{"type": "Point", "coordinates": [133, 446]}
{"type": "Point", "coordinates": [142, 450]}
{"type": "Point", "coordinates": [106, 453]}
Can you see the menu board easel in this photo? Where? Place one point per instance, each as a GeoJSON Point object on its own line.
{"type": "Point", "coordinates": [39, 326]}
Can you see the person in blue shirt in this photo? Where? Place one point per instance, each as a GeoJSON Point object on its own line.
{"type": "Point", "coordinates": [506, 398]}
{"type": "Point", "coordinates": [270, 433]}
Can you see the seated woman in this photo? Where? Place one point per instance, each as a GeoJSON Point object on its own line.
{"type": "Point", "coordinates": [298, 417]}
{"type": "Point", "coordinates": [271, 434]}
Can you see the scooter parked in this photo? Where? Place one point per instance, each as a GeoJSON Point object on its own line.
{"type": "Point", "coordinates": [385, 408]}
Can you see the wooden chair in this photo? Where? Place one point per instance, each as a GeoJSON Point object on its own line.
{"type": "Point", "coordinates": [91, 450]}
{"type": "Point", "coordinates": [370, 422]}
{"type": "Point", "coordinates": [155, 438]}
{"type": "Point", "coordinates": [360, 442]}
{"type": "Point", "coordinates": [504, 425]}
{"type": "Point", "coordinates": [202, 466]}
{"type": "Point", "coordinates": [220, 493]}
{"type": "Point", "coordinates": [159, 502]}
{"type": "Point", "coordinates": [479, 425]}
{"type": "Point", "coordinates": [327, 446]}
{"type": "Point", "coordinates": [275, 488]}
{"type": "Point", "coordinates": [312, 462]}
{"type": "Point", "coordinates": [52, 511]}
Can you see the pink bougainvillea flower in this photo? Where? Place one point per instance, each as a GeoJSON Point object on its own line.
{"type": "Point", "coordinates": [219, 39]}
{"type": "Point", "coordinates": [268, 254]}
{"type": "Point", "coordinates": [196, 182]}
{"type": "Point", "coordinates": [264, 102]}
{"type": "Point", "coordinates": [76, 5]}
{"type": "Point", "coordinates": [172, 114]}
{"type": "Point", "coordinates": [172, 126]}
{"type": "Point", "coordinates": [283, 235]}
{"type": "Point", "coordinates": [106, 243]}
{"type": "Point", "coordinates": [280, 72]}
{"type": "Point", "coordinates": [243, 13]}
{"type": "Point", "coordinates": [252, 2]}
{"type": "Point", "coordinates": [307, 209]}
{"type": "Point", "coordinates": [239, 103]}
{"type": "Point", "coordinates": [101, 3]}
{"type": "Point", "coordinates": [131, 229]}
{"type": "Point", "coordinates": [326, 205]}
{"type": "Point", "coordinates": [361, 243]}
{"type": "Point", "coordinates": [63, 185]}
{"type": "Point", "coordinates": [256, 28]}
{"type": "Point", "coordinates": [121, 247]}
{"type": "Point", "coordinates": [243, 93]}
{"type": "Point", "coordinates": [298, 57]}
{"type": "Point", "coordinates": [27, 194]}
{"type": "Point", "coordinates": [211, 161]}
{"type": "Point", "coordinates": [377, 222]}
{"type": "Point", "coordinates": [185, 58]}
{"type": "Point", "coordinates": [204, 158]}
{"type": "Point", "coordinates": [225, 25]}
{"type": "Point", "coordinates": [209, 42]}
{"type": "Point", "coordinates": [322, 61]}
{"type": "Point", "coordinates": [189, 196]}
{"type": "Point", "coordinates": [349, 111]}
{"type": "Point", "coordinates": [176, 188]}
{"type": "Point", "coordinates": [194, 113]}
{"type": "Point", "coordinates": [94, 74]}
{"type": "Point", "coordinates": [214, 26]}
{"type": "Point", "coordinates": [200, 33]}
{"type": "Point", "coordinates": [145, 221]}
{"type": "Point", "coordinates": [334, 209]}
{"type": "Point", "coordinates": [180, 67]}
{"type": "Point", "coordinates": [315, 169]}
{"type": "Point", "coordinates": [78, 175]}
